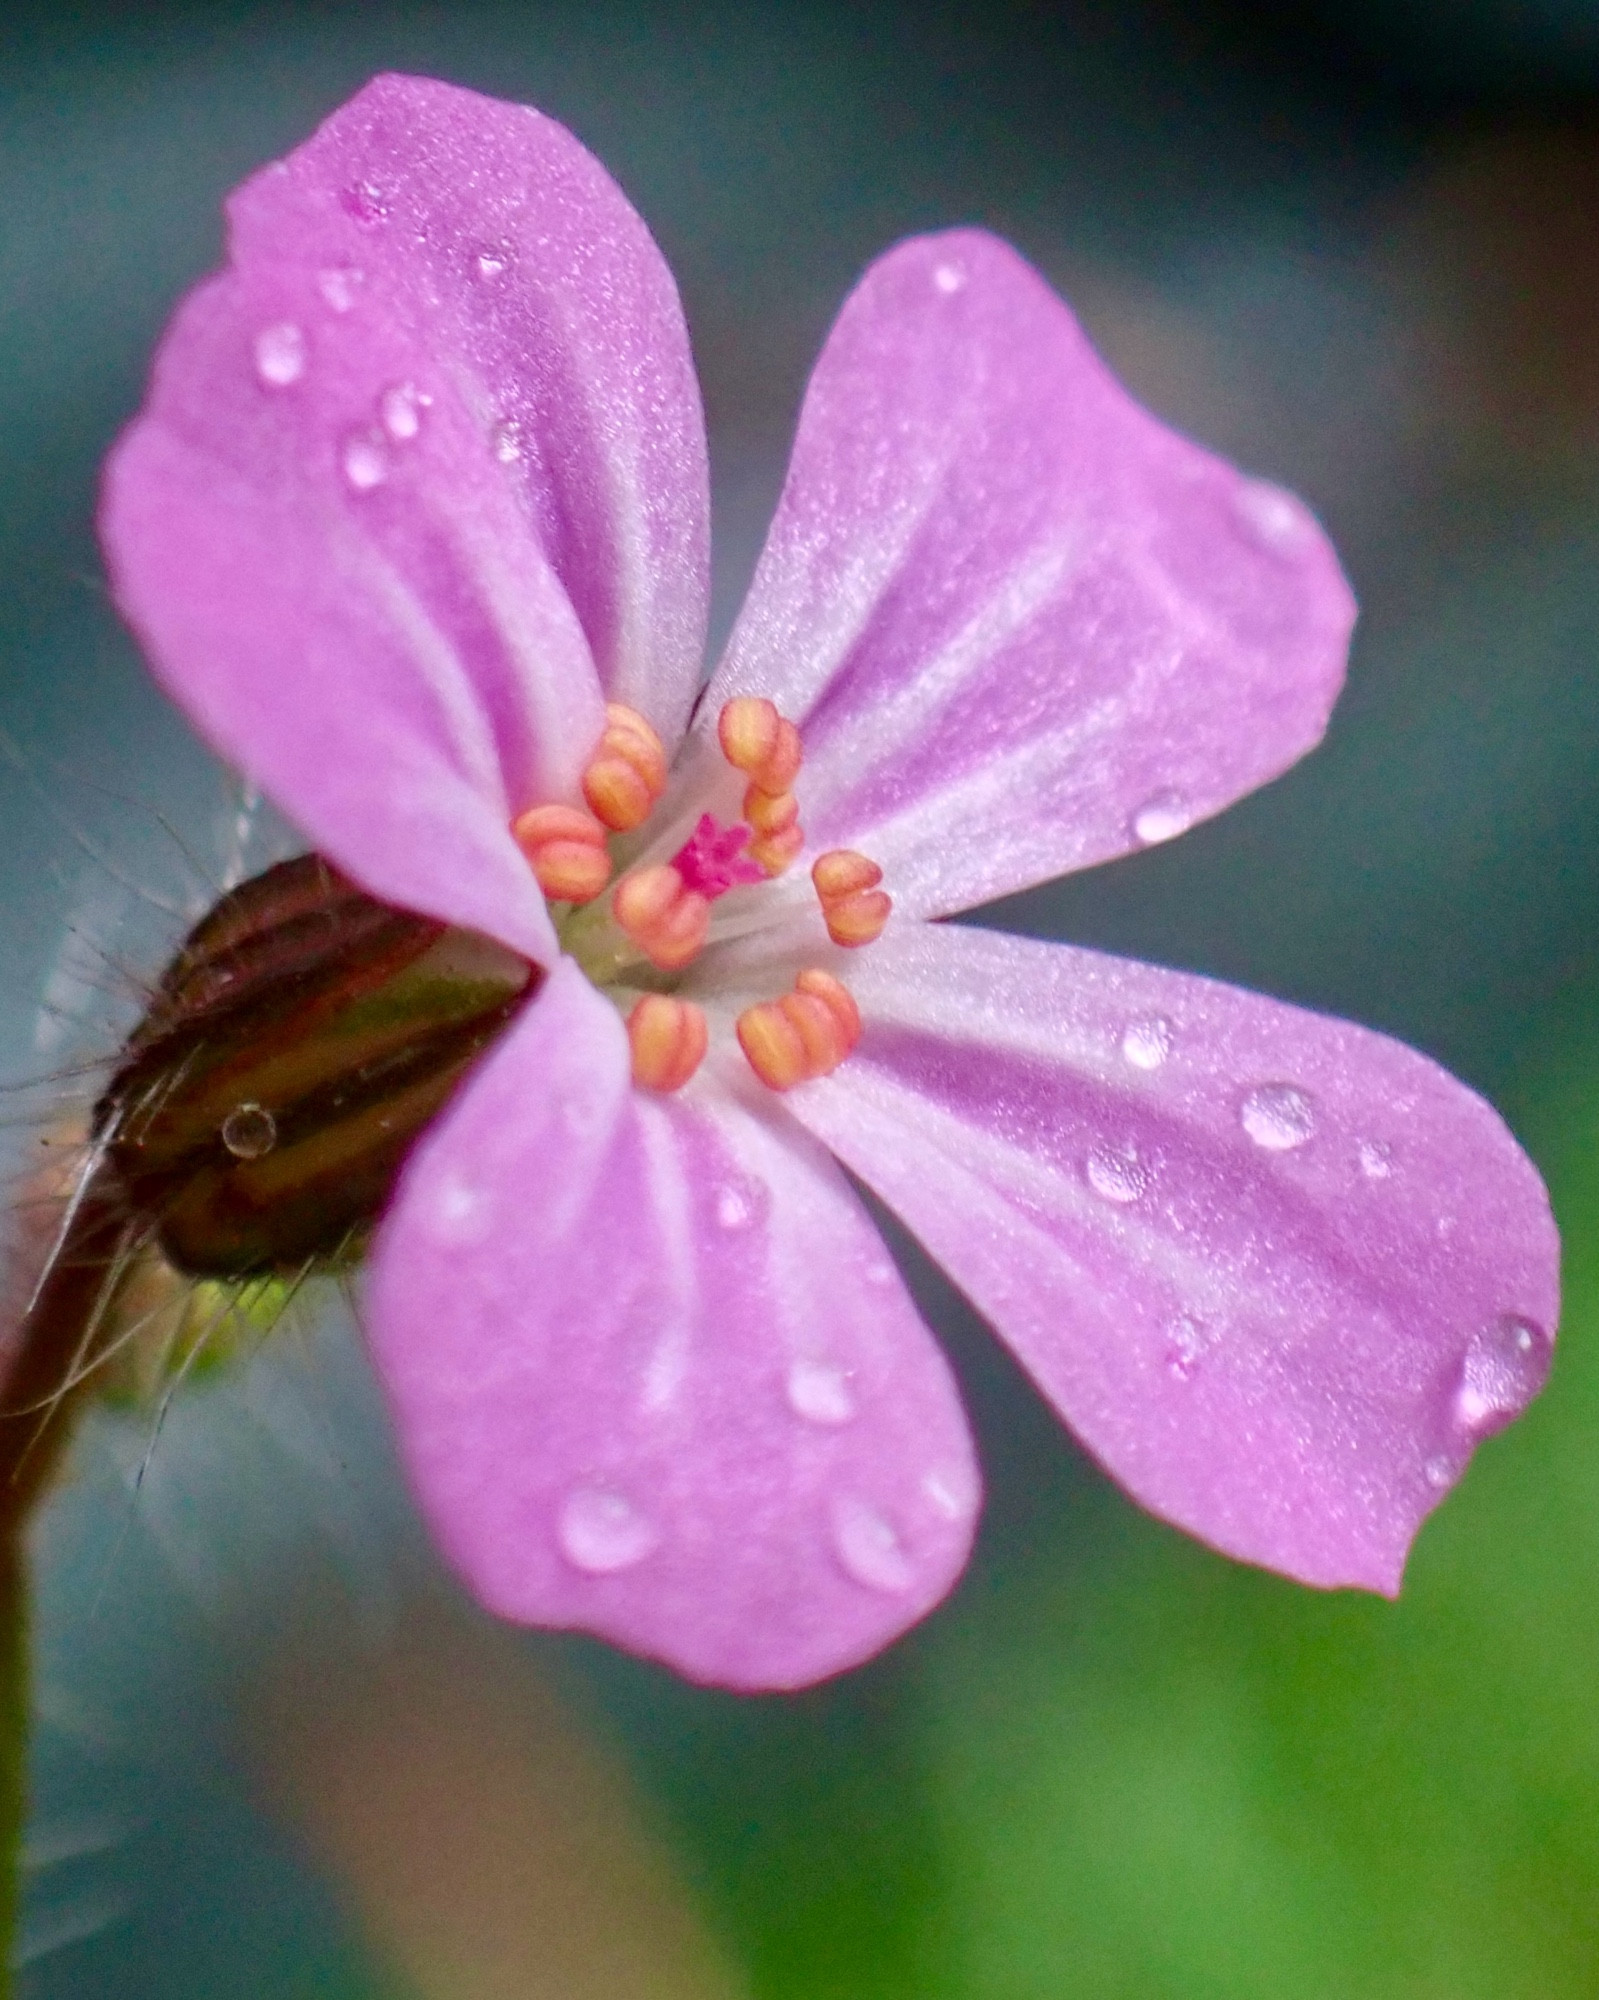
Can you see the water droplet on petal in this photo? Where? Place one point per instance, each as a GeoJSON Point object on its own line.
{"type": "Point", "coordinates": [819, 1391]}
{"type": "Point", "coordinates": [1186, 1344]}
{"type": "Point", "coordinates": [1115, 1173]}
{"type": "Point", "coordinates": [339, 284]}
{"type": "Point", "coordinates": [952, 1494]}
{"type": "Point", "coordinates": [732, 1210]}
{"type": "Point", "coordinates": [880, 1272]}
{"type": "Point", "coordinates": [1146, 1044]}
{"type": "Point", "coordinates": [1503, 1370]}
{"type": "Point", "coordinates": [949, 277]}
{"type": "Point", "coordinates": [366, 201]}
{"type": "Point", "coordinates": [507, 441]}
{"type": "Point", "coordinates": [1162, 817]}
{"type": "Point", "coordinates": [1278, 1116]}
{"type": "Point", "coordinates": [366, 461]}
{"type": "Point", "coordinates": [1439, 1472]}
{"type": "Point", "coordinates": [280, 354]}
{"type": "Point", "coordinates": [601, 1532]}
{"type": "Point", "coordinates": [249, 1131]}
{"type": "Point", "coordinates": [491, 263]}
{"type": "Point", "coordinates": [1270, 517]}
{"type": "Point", "coordinates": [869, 1547]}
{"type": "Point", "coordinates": [1376, 1159]}
{"type": "Point", "coordinates": [400, 407]}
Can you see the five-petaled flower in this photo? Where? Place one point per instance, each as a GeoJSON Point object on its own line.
{"type": "Point", "coordinates": [414, 525]}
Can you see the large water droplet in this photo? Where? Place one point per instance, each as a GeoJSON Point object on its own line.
{"type": "Point", "coordinates": [819, 1391]}
{"type": "Point", "coordinates": [1504, 1368]}
{"type": "Point", "coordinates": [1162, 817]}
{"type": "Point", "coordinates": [1146, 1044]}
{"type": "Point", "coordinates": [1278, 1116]}
{"type": "Point", "coordinates": [1270, 517]}
{"type": "Point", "coordinates": [339, 285]}
{"type": "Point", "coordinates": [366, 461]}
{"type": "Point", "coordinates": [249, 1131]}
{"type": "Point", "coordinates": [280, 354]}
{"type": "Point", "coordinates": [1116, 1173]}
{"type": "Point", "coordinates": [400, 409]}
{"type": "Point", "coordinates": [601, 1532]}
{"type": "Point", "coordinates": [869, 1547]}
{"type": "Point", "coordinates": [1376, 1159]}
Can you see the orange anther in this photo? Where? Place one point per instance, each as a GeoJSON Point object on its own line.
{"type": "Point", "coordinates": [627, 772]}
{"type": "Point", "coordinates": [823, 986]}
{"type": "Point", "coordinates": [747, 730]}
{"type": "Point", "coordinates": [631, 736]}
{"type": "Point", "coordinates": [773, 1045]}
{"type": "Point", "coordinates": [668, 1039]}
{"type": "Point", "coordinates": [841, 872]}
{"type": "Point", "coordinates": [818, 1025]}
{"type": "Point", "coordinates": [756, 740]}
{"type": "Point", "coordinates": [667, 922]}
{"type": "Point", "coordinates": [769, 812]}
{"type": "Point", "coordinates": [777, 850]}
{"type": "Point", "coordinates": [616, 793]}
{"type": "Point", "coordinates": [859, 919]}
{"type": "Point", "coordinates": [565, 848]}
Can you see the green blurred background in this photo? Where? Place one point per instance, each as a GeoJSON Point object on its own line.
{"type": "Point", "coordinates": [1356, 247]}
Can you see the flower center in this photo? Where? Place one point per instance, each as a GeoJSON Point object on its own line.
{"type": "Point", "coordinates": [658, 918]}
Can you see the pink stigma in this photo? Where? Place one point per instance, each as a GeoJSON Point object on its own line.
{"type": "Point", "coordinates": [712, 860]}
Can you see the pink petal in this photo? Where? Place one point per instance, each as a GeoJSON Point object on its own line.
{"type": "Point", "coordinates": [653, 1372]}
{"type": "Point", "coordinates": [426, 450]}
{"type": "Point", "coordinates": [1280, 1274]}
{"type": "Point", "coordinates": [1023, 626]}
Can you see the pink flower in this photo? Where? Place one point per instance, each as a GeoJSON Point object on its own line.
{"type": "Point", "coordinates": [419, 487]}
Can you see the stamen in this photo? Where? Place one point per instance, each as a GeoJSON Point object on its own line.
{"type": "Point", "coordinates": [627, 773]}
{"type": "Point", "coordinates": [565, 847]}
{"type": "Point", "coordinates": [667, 921]}
{"type": "Point", "coordinates": [668, 1038]}
{"type": "Point", "coordinates": [758, 741]}
{"type": "Point", "coordinates": [853, 907]}
{"type": "Point", "coordinates": [806, 1034]}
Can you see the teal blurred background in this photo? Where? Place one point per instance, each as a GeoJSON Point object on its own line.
{"type": "Point", "coordinates": [1355, 249]}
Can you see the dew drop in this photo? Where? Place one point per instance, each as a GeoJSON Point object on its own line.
{"type": "Point", "coordinates": [1186, 1343]}
{"type": "Point", "coordinates": [869, 1548]}
{"type": "Point", "coordinates": [1376, 1159]}
{"type": "Point", "coordinates": [949, 278]}
{"type": "Point", "coordinates": [280, 354]}
{"type": "Point", "coordinates": [1279, 1117]}
{"type": "Point", "coordinates": [601, 1532]}
{"type": "Point", "coordinates": [819, 1391]}
{"type": "Point", "coordinates": [339, 284]}
{"type": "Point", "coordinates": [366, 201]}
{"type": "Point", "coordinates": [1115, 1173]}
{"type": "Point", "coordinates": [508, 441]}
{"type": "Point", "coordinates": [249, 1131]}
{"type": "Point", "coordinates": [1162, 817]}
{"type": "Point", "coordinates": [366, 461]}
{"type": "Point", "coordinates": [460, 1214]}
{"type": "Point", "coordinates": [491, 263]}
{"type": "Point", "coordinates": [952, 1494]}
{"type": "Point", "coordinates": [880, 1272]}
{"type": "Point", "coordinates": [732, 1210]}
{"type": "Point", "coordinates": [1146, 1044]}
{"type": "Point", "coordinates": [400, 408]}
{"type": "Point", "coordinates": [1439, 1472]}
{"type": "Point", "coordinates": [1269, 516]}
{"type": "Point", "coordinates": [1504, 1368]}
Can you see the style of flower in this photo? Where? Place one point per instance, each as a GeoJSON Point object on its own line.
{"type": "Point", "coordinates": [414, 524]}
